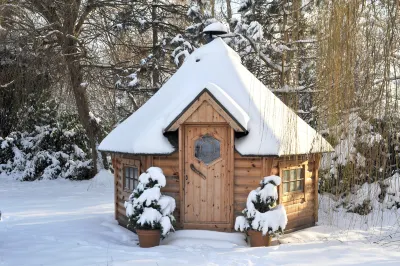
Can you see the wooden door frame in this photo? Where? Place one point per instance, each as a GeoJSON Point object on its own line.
{"type": "Point", "coordinates": [229, 172]}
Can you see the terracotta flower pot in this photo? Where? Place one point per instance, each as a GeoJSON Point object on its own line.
{"type": "Point", "coordinates": [258, 240]}
{"type": "Point", "coordinates": [148, 238]}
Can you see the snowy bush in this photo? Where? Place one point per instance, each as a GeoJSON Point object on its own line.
{"type": "Point", "coordinates": [368, 197]}
{"type": "Point", "coordinates": [147, 209]}
{"type": "Point", "coordinates": [261, 212]}
{"type": "Point", "coordinates": [367, 152]}
{"type": "Point", "coordinates": [50, 146]}
{"type": "Point", "coordinates": [392, 191]}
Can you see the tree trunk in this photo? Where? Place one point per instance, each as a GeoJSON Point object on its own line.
{"type": "Point", "coordinates": [67, 18]}
{"type": "Point", "coordinates": [76, 78]}
{"type": "Point", "coordinates": [229, 10]}
{"type": "Point", "coordinates": [156, 74]}
{"type": "Point", "coordinates": [284, 33]}
{"type": "Point", "coordinates": [72, 55]}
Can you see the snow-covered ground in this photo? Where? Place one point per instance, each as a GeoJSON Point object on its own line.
{"type": "Point", "coordinates": [60, 222]}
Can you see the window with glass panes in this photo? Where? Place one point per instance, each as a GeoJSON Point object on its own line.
{"type": "Point", "coordinates": [293, 180]}
{"type": "Point", "coordinates": [131, 177]}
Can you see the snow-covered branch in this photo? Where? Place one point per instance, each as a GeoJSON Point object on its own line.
{"type": "Point", "coordinates": [386, 79]}
{"type": "Point", "coordinates": [8, 84]}
{"type": "Point", "coordinates": [265, 58]}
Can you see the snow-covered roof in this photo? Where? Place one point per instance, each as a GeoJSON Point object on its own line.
{"type": "Point", "coordinates": [273, 128]}
{"type": "Point", "coordinates": [216, 27]}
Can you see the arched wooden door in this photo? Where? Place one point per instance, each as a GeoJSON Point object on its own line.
{"type": "Point", "coordinates": [207, 178]}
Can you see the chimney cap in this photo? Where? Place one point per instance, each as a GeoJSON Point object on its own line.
{"type": "Point", "coordinates": [215, 28]}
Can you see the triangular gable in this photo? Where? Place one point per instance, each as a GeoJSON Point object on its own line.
{"type": "Point", "coordinates": [205, 108]}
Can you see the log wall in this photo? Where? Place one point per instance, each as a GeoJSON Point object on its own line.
{"type": "Point", "coordinates": [170, 166]}
{"type": "Point", "coordinates": [120, 194]}
{"type": "Point", "coordinates": [302, 211]}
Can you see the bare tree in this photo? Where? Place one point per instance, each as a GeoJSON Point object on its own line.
{"type": "Point", "coordinates": [60, 26]}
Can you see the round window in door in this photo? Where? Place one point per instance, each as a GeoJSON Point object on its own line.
{"type": "Point", "coordinates": [207, 149]}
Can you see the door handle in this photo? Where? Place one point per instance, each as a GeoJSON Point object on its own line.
{"type": "Point", "coordinates": [197, 171]}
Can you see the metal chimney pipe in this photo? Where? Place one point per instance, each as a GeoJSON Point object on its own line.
{"type": "Point", "coordinates": [213, 30]}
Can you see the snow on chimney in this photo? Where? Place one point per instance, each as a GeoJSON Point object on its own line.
{"type": "Point", "coordinates": [213, 30]}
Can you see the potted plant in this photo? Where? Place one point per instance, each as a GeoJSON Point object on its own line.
{"type": "Point", "coordinates": [261, 218]}
{"type": "Point", "coordinates": [149, 212]}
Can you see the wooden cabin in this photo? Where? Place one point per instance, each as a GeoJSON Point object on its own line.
{"type": "Point", "coordinates": [216, 131]}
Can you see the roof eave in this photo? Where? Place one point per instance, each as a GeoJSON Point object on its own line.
{"type": "Point", "coordinates": [139, 154]}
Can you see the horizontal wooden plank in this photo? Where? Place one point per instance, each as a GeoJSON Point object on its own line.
{"type": "Point", "coordinates": [248, 172]}
{"type": "Point", "coordinates": [300, 222]}
{"type": "Point", "coordinates": [237, 155]}
{"type": "Point", "coordinates": [214, 227]}
{"type": "Point", "coordinates": [247, 181]}
{"type": "Point", "coordinates": [237, 210]}
{"type": "Point", "coordinates": [307, 206]}
{"type": "Point", "coordinates": [121, 210]}
{"type": "Point", "coordinates": [239, 205]}
{"type": "Point", "coordinates": [121, 204]}
{"type": "Point", "coordinates": [175, 195]}
{"type": "Point", "coordinates": [167, 162]}
{"type": "Point", "coordinates": [174, 188]}
{"type": "Point", "coordinates": [171, 189]}
{"type": "Point", "coordinates": [130, 160]}
{"type": "Point", "coordinates": [172, 179]}
{"type": "Point", "coordinates": [126, 156]}
{"type": "Point", "coordinates": [178, 226]}
{"type": "Point", "coordinates": [123, 195]}
{"type": "Point", "coordinates": [170, 156]}
{"type": "Point", "coordinates": [300, 215]}
{"type": "Point", "coordinates": [171, 171]}
{"type": "Point", "coordinates": [300, 227]}
{"type": "Point", "coordinates": [240, 197]}
{"type": "Point", "coordinates": [243, 189]}
{"type": "Point", "coordinates": [122, 220]}
{"type": "Point", "coordinates": [118, 185]}
{"type": "Point", "coordinates": [248, 163]}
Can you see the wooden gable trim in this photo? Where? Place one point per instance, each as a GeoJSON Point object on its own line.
{"type": "Point", "coordinates": [205, 96]}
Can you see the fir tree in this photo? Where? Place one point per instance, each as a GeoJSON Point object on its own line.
{"type": "Point", "coordinates": [147, 209]}
{"type": "Point", "coordinates": [276, 41]}
{"type": "Point", "coordinates": [48, 146]}
{"type": "Point", "coordinates": [261, 212]}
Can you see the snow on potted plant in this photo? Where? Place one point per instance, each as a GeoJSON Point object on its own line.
{"type": "Point", "coordinates": [262, 218]}
{"type": "Point", "coordinates": [149, 212]}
